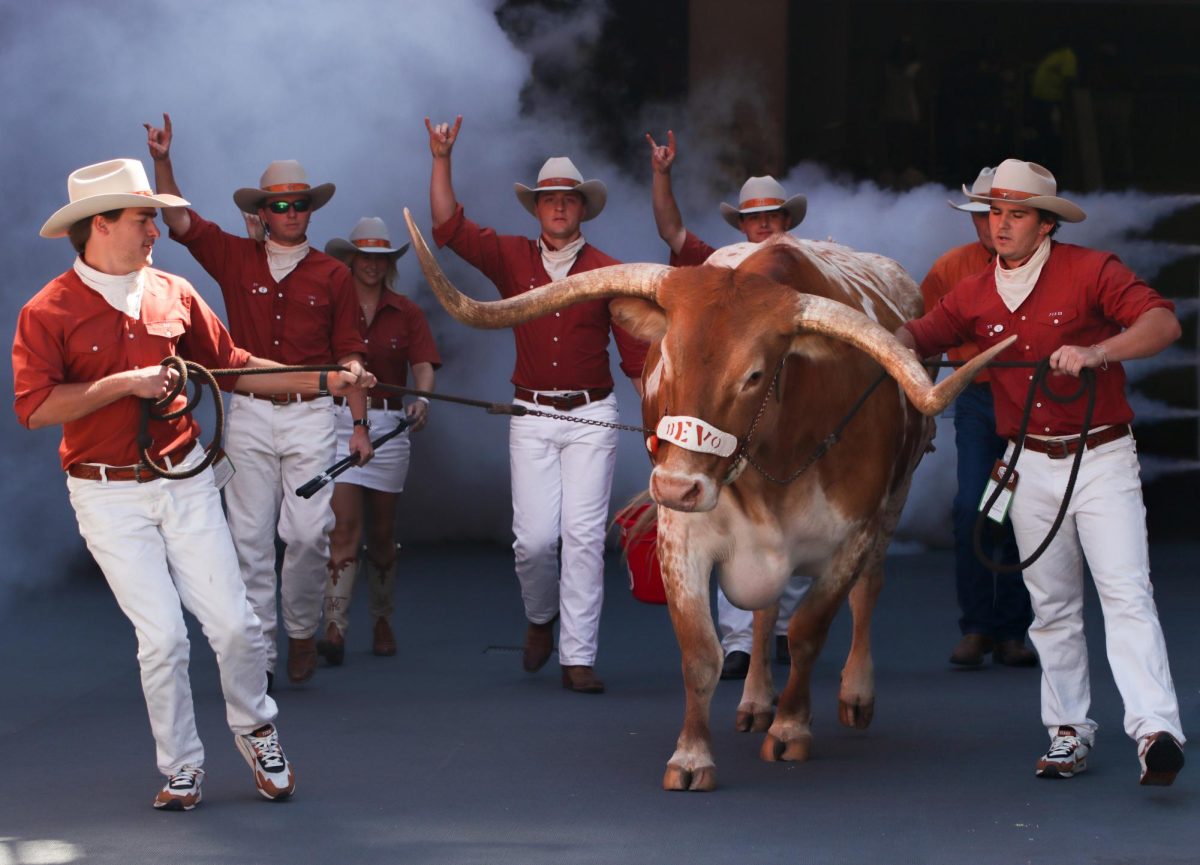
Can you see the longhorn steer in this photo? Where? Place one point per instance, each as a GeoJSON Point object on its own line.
{"type": "Point", "coordinates": [759, 347]}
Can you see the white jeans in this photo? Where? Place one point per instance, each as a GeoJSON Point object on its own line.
{"type": "Point", "coordinates": [561, 481]}
{"type": "Point", "coordinates": [1106, 525]}
{"type": "Point", "coordinates": [162, 544]}
{"type": "Point", "coordinates": [276, 449]}
{"type": "Point", "coordinates": [736, 626]}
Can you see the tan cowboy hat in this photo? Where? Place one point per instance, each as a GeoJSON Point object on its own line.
{"type": "Point", "coordinates": [282, 177]}
{"type": "Point", "coordinates": [369, 235]}
{"type": "Point", "coordinates": [1030, 185]}
{"type": "Point", "coordinates": [982, 184]}
{"type": "Point", "coordinates": [105, 186]}
{"type": "Point", "coordinates": [559, 174]}
{"type": "Point", "coordinates": [761, 194]}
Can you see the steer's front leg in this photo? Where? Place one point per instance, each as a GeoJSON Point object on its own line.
{"type": "Point", "coordinates": [686, 573]}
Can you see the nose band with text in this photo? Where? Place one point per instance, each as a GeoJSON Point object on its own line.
{"type": "Point", "coordinates": [694, 434]}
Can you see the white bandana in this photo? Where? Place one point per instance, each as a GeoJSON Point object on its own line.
{"type": "Point", "coordinates": [283, 259]}
{"type": "Point", "coordinates": [558, 262]}
{"type": "Point", "coordinates": [1014, 285]}
{"type": "Point", "coordinates": [123, 293]}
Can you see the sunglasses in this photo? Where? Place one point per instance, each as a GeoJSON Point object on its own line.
{"type": "Point", "coordinates": [301, 205]}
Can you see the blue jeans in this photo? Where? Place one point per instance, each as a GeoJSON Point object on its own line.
{"type": "Point", "coordinates": [995, 605]}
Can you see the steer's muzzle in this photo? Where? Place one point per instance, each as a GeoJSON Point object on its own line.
{"type": "Point", "coordinates": [683, 491]}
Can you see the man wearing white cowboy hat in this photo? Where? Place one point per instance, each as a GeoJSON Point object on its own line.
{"type": "Point", "coordinates": [764, 211]}
{"type": "Point", "coordinates": [1081, 309]}
{"type": "Point", "coordinates": [295, 305]}
{"type": "Point", "coordinates": [994, 606]}
{"type": "Point", "coordinates": [398, 339]}
{"type": "Point", "coordinates": [86, 355]}
{"type": "Point", "coordinates": [561, 472]}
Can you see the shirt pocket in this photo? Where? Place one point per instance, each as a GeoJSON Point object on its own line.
{"type": "Point", "coordinates": [1054, 328]}
{"type": "Point", "coordinates": [95, 351]}
{"type": "Point", "coordinates": [309, 324]}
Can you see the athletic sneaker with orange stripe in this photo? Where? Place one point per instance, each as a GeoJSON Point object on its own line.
{"type": "Point", "coordinates": [182, 790]}
{"type": "Point", "coordinates": [273, 775]}
{"type": "Point", "coordinates": [1067, 755]}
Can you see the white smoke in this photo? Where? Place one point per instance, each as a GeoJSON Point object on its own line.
{"type": "Point", "coordinates": [344, 88]}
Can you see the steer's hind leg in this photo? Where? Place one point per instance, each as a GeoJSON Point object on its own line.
{"type": "Point", "coordinates": [757, 708]}
{"type": "Point", "coordinates": [686, 578]}
{"type": "Point", "coordinates": [856, 699]}
{"type": "Point", "coordinates": [790, 736]}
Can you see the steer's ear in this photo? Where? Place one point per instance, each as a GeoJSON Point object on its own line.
{"type": "Point", "coordinates": [640, 317]}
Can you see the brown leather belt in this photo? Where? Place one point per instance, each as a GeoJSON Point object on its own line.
{"type": "Point", "coordinates": [282, 398]}
{"type": "Point", "coordinates": [566, 401]}
{"type": "Point", "coordinates": [139, 473]}
{"type": "Point", "coordinates": [376, 402]}
{"type": "Point", "coordinates": [1059, 449]}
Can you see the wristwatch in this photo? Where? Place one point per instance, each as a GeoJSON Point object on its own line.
{"type": "Point", "coordinates": [363, 422]}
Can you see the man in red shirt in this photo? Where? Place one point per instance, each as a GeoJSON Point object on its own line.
{"type": "Point", "coordinates": [364, 499]}
{"type": "Point", "coordinates": [561, 471]}
{"type": "Point", "coordinates": [295, 305]}
{"type": "Point", "coordinates": [994, 605]}
{"type": "Point", "coordinates": [86, 355]}
{"type": "Point", "coordinates": [764, 211]}
{"type": "Point", "coordinates": [1080, 308]}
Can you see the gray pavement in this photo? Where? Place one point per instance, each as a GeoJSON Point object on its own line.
{"type": "Point", "coordinates": [449, 753]}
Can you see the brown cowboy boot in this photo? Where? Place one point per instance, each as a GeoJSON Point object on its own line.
{"type": "Point", "coordinates": [385, 642]}
{"type": "Point", "coordinates": [539, 643]}
{"type": "Point", "coordinates": [339, 588]}
{"type": "Point", "coordinates": [381, 582]}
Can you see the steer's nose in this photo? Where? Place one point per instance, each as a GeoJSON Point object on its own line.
{"type": "Point", "coordinates": [682, 492]}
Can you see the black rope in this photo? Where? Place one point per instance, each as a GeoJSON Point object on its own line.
{"type": "Point", "coordinates": [187, 369]}
{"type": "Point", "coordinates": [1087, 382]}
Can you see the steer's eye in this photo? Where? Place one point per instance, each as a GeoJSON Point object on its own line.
{"type": "Point", "coordinates": [753, 379]}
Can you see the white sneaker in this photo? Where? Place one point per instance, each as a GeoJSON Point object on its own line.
{"type": "Point", "coordinates": [1067, 756]}
{"type": "Point", "coordinates": [1161, 757]}
{"type": "Point", "coordinates": [273, 775]}
{"type": "Point", "coordinates": [182, 790]}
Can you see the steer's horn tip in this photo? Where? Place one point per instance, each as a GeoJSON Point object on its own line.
{"type": "Point", "coordinates": [944, 392]}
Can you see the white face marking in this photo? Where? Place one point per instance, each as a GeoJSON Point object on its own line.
{"type": "Point", "coordinates": [654, 380]}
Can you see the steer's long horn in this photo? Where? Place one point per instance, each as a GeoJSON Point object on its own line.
{"type": "Point", "coordinates": [821, 315]}
{"type": "Point", "coordinates": [621, 280]}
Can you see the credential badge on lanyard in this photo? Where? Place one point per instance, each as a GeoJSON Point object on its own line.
{"type": "Point", "coordinates": [998, 513]}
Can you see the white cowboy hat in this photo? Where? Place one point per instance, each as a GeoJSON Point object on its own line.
{"type": "Point", "coordinates": [559, 174]}
{"type": "Point", "coordinates": [981, 186]}
{"type": "Point", "coordinates": [112, 185]}
{"type": "Point", "coordinates": [1030, 185]}
{"type": "Point", "coordinates": [764, 193]}
{"type": "Point", "coordinates": [282, 177]}
{"type": "Point", "coordinates": [369, 235]}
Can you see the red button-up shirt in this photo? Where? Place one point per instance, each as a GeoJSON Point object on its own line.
{"type": "Point", "coordinates": [565, 350]}
{"type": "Point", "coordinates": [693, 252]}
{"type": "Point", "coordinates": [396, 338]}
{"type": "Point", "coordinates": [950, 269]}
{"type": "Point", "coordinates": [1082, 297]}
{"type": "Point", "coordinates": [68, 333]}
{"type": "Point", "coordinates": [309, 318]}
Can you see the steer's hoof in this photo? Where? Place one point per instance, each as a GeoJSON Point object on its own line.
{"type": "Point", "coordinates": [702, 780]}
{"type": "Point", "coordinates": [857, 715]}
{"type": "Point", "coordinates": [754, 720]}
{"type": "Point", "coordinates": [796, 750]}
